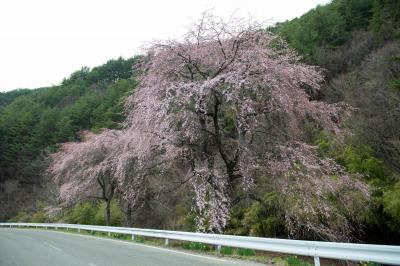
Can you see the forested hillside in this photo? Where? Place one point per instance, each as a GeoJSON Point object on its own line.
{"type": "Point", "coordinates": [358, 43]}
{"type": "Point", "coordinates": [231, 130]}
{"type": "Point", "coordinates": [32, 122]}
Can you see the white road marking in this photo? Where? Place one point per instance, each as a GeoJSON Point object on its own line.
{"type": "Point", "coordinates": [148, 246]}
{"type": "Point", "coordinates": [159, 248]}
{"type": "Point", "coordinates": [165, 249]}
{"type": "Point", "coordinates": [92, 264]}
{"type": "Point", "coordinates": [56, 248]}
{"type": "Point", "coordinates": [53, 247]}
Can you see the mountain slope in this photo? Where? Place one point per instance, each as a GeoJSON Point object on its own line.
{"type": "Point", "coordinates": [32, 122]}
{"type": "Point", "coordinates": [357, 41]}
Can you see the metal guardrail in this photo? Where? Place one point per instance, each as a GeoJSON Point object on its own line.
{"type": "Point", "coordinates": [384, 254]}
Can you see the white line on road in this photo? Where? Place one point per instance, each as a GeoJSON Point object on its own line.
{"type": "Point", "coordinates": [148, 246]}
{"type": "Point", "coordinates": [163, 249]}
{"type": "Point", "coordinates": [53, 247]}
{"type": "Point", "coordinates": [92, 264]}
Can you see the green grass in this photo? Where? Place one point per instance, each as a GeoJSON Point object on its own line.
{"type": "Point", "coordinates": [227, 250]}
{"type": "Point", "coordinates": [294, 261]}
{"type": "Point", "coordinates": [246, 252]}
{"type": "Point", "coordinates": [139, 239]}
{"type": "Point", "coordinates": [196, 246]}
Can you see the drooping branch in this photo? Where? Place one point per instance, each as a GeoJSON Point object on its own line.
{"type": "Point", "coordinates": [211, 108]}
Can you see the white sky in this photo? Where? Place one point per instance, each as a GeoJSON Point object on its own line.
{"type": "Point", "coordinates": [43, 41]}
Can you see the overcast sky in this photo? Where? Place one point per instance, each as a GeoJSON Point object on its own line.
{"type": "Point", "coordinates": [43, 41]}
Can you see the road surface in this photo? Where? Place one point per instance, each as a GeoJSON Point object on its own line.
{"type": "Point", "coordinates": [26, 247]}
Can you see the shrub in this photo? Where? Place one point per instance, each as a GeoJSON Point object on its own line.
{"type": "Point", "coordinates": [21, 217]}
{"type": "Point", "coordinates": [391, 203]}
{"type": "Point", "coordinates": [39, 217]}
{"type": "Point", "coordinates": [116, 215]}
{"type": "Point", "coordinates": [82, 213]}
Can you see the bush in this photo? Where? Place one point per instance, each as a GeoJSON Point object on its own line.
{"type": "Point", "coordinates": [264, 218]}
{"type": "Point", "coordinates": [82, 213]}
{"type": "Point", "coordinates": [116, 215]}
{"type": "Point", "coordinates": [363, 162]}
{"type": "Point", "coordinates": [39, 217]}
{"type": "Point", "coordinates": [89, 213]}
{"type": "Point", "coordinates": [391, 203]}
{"type": "Point", "coordinates": [21, 217]}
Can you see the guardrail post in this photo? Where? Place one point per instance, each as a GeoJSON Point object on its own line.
{"type": "Point", "coordinates": [133, 237]}
{"type": "Point", "coordinates": [166, 241]}
{"type": "Point", "coordinates": [316, 261]}
{"type": "Point", "coordinates": [218, 248]}
{"type": "Point", "coordinates": [79, 230]}
{"type": "Point", "coordinates": [109, 234]}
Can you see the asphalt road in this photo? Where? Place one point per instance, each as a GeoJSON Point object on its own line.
{"type": "Point", "coordinates": [25, 247]}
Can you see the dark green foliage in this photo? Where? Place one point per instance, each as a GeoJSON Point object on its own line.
{"type": "Point", "coordinates": [262, 216]}
{"type": "Point", "coordinates": [357, 42]}
{"type": "Point", "coordinates": [386, 18]}
{"type": "Point", "coordinates": [33, 122]}
{"type": "Point", "coordinates": [355, 157]}
{"type": "Point", "coordinates": [395, 84]}
{"type": "Point", "coordinates": [339, 35]}
{"type": "Point", "coordinates": [89, 213]}
{"type": "Point", "coordinates": [39, 216]}
{"type": "Point", "coordinates": [116, 218]}
{"type": "Point", "coordinates": [112, 71]}
{"type": "Point", "coordinates": [330, 25]}
{"type": "Point", "coordinates": [7, 97]}
{"type": "Point", "coordinates": [382, 220]}
{"type": "Point", "coordinates": [363, 162]}
{"type": "Point", "coordinates": [391, 206]}
{"type": "Point", "coordinates": [80, 213]}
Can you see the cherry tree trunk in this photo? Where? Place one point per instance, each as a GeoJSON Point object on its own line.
{"type": "Point", "coordinates": [128, 216]}
{"type": "Point", "coordinates": [107, 212]}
